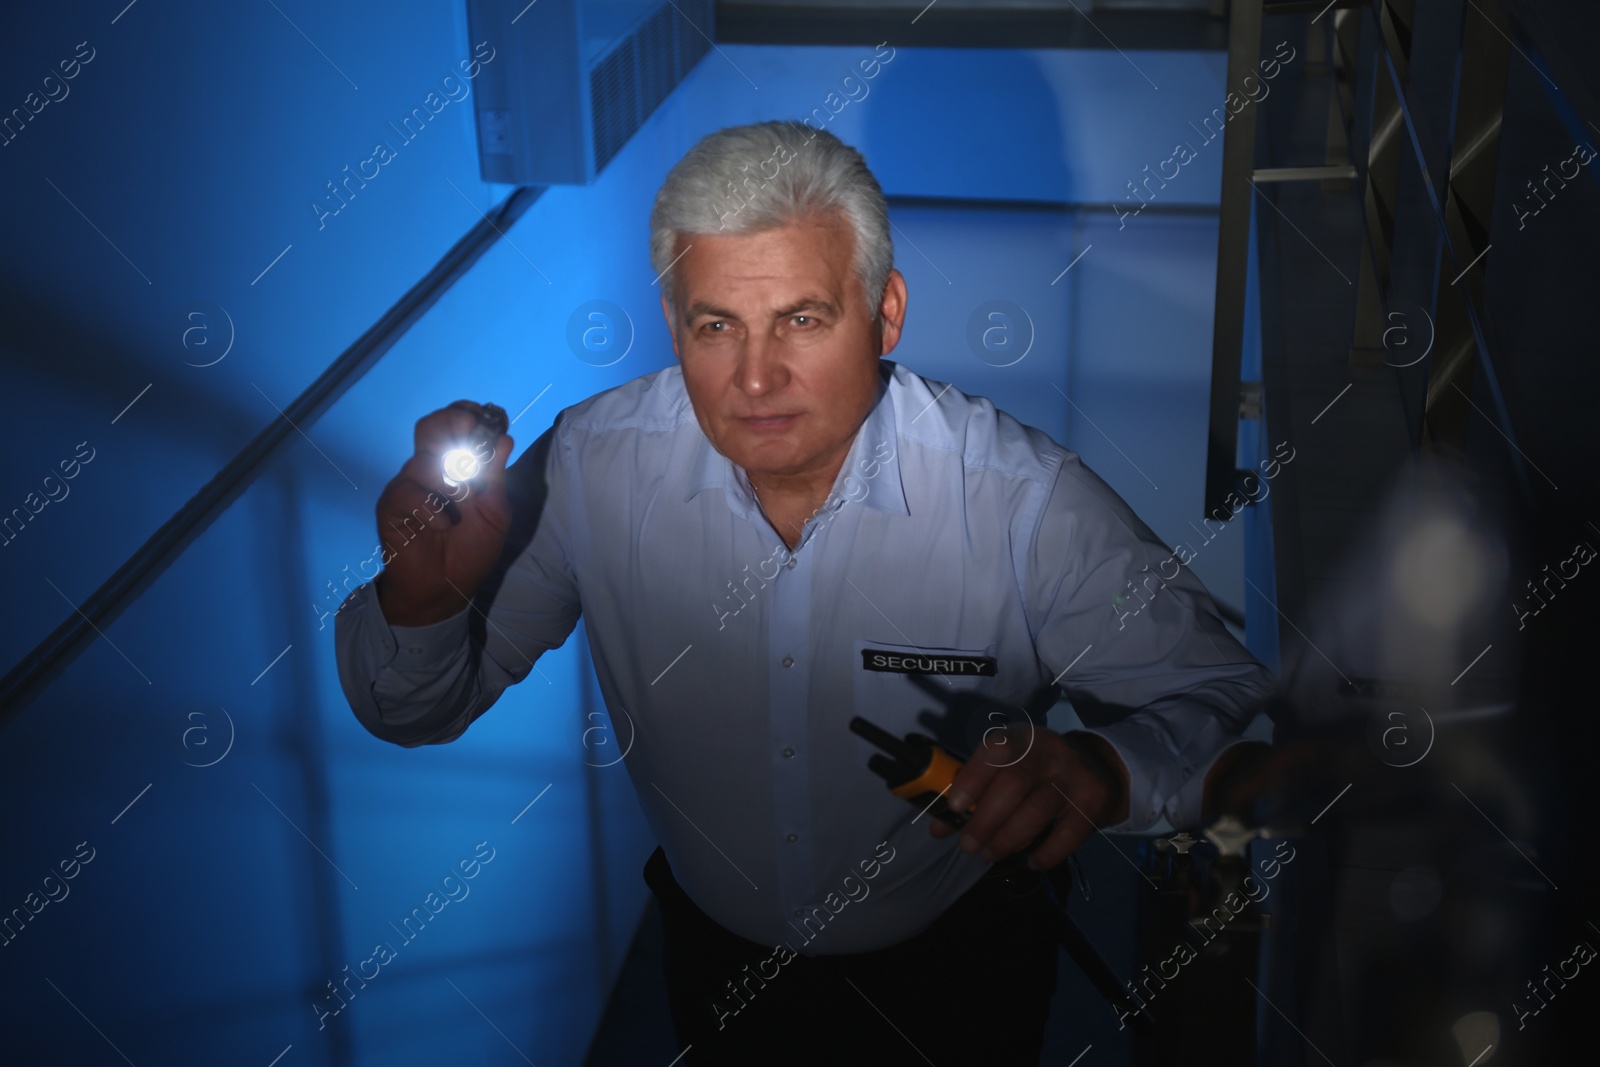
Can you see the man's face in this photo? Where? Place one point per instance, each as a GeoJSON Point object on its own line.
{"type": "Point", "coordinates": [778, 347]}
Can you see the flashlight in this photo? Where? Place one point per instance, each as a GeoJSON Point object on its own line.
{"type": "Point", "coordinates": [464, 462]}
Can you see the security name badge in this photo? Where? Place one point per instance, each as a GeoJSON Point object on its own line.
{"type": "Point", "coordinates": [950, 663]}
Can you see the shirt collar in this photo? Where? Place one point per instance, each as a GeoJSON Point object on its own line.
{"type": "Point", "coordinates": [873, 462]}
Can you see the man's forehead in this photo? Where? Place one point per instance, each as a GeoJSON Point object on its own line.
{"type": "Point", "coordinates": [781, 265]}
{"type": "Point", "coordinates": [809, 237]}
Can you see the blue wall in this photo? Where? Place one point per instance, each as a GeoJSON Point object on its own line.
{"type": "Point", "coordinates": [270, 841]}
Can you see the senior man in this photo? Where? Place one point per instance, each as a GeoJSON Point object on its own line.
{"type": "Point", "coordinates": [780, 532]}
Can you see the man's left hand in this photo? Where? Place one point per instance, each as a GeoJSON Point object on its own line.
{"type": "Point", "coordinates": [1016, 797]}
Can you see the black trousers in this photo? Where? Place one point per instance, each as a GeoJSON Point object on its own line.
{"type": "Point", "coordinates": [972, 989]}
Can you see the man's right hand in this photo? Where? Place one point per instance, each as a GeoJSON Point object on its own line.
{"type": "Point", "coordinates": [440, 542]}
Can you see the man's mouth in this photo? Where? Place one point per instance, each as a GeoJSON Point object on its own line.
{"type": "Point", "coordinates": [767, 423]}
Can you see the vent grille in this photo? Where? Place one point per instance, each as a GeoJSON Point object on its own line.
{"type": "Point", "coordinates": [628, 85]}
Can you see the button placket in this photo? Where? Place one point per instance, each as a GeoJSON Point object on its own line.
{"type": "Point", "coordinates": [789, 700]}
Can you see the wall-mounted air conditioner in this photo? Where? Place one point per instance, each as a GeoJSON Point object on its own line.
{"type": "Point", "coordinates": [573, 79]}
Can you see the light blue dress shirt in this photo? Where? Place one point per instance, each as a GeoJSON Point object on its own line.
{"type": "Point", "coordinates": [954, 533]}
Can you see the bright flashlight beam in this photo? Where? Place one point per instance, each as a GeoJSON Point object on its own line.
{"type": "Point", "coordinates": [460, 465]}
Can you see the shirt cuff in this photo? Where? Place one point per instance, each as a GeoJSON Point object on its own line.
{"type": "Point", "coordinates": [406, 648]}
{"type": "Point", "coordinates": [1160, 781]}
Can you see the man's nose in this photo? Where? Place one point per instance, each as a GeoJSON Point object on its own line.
{"type": "Point", "coordinates": [761, 368]}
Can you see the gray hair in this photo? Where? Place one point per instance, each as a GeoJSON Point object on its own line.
{"type": "Point", "coordinates": [721, 186]}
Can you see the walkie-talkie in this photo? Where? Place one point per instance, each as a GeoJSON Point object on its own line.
{"type": "Point", "coordinates": [918, 770]}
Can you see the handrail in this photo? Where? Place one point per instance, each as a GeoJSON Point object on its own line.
{"type": "Point", "coordinates": [35, 671]}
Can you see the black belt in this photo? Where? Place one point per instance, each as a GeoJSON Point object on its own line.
{"type": "Point", "coordinates": [1010, 880]}
{"type": "Point", "coordinates": [658, 876]}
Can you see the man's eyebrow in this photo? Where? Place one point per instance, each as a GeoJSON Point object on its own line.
{"type": "Point", "coordinates": [807, 303]}
{"type": "Point", "coordinates": [701, 307]}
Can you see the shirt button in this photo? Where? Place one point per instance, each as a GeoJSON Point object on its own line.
{"type": "Point", "coordinates": [414, 651]}
{"type": "Point", "coordinates": [788, 661]}
{"type": "Point", "coordinates": [788, 753]}
{"type": "Point", "coordinates": [789, 563]}
{"type": "Point", "coordinates": [793, 838]}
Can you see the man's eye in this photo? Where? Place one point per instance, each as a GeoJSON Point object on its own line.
{"type": "Point", "coordinates": [803, 320]}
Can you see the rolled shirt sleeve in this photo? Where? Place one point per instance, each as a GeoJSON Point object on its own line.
{"type": "Point", "coordinates": [1153, 670]}
{"type": "Point", "coordinates": [416, 685]}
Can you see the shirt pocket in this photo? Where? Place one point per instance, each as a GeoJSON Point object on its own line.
{"type": "Point", "coordinates": [952, 695]}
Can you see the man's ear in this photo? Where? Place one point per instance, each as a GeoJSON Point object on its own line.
{"type": "Point", "coordinates": [672, 326]}
{"type": "Point", "coordinates": [892, 310]}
